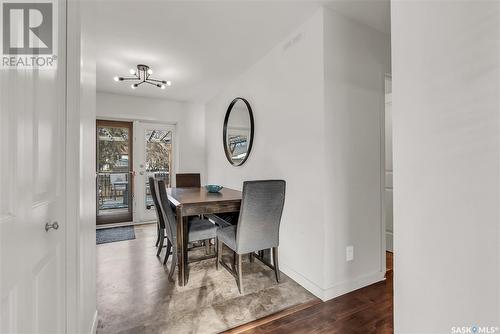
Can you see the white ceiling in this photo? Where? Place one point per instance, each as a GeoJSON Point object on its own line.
{"type": "Point", "coordinates": [201, 46]}
{"type": "Point", "coordinates": [373, 13]}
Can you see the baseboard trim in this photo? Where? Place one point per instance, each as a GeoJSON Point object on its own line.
{"type": "Point", "coordinates": [302, 280]}
{"type": "Point", "coordinates": [352, 285]}
{"type": "Point", "coordinates": [93, 329]}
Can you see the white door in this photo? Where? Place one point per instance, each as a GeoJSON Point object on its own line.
{"type": "Point", "coordinates": [154, 156]}
{"type": "Point", "coordinates": [32, 194]}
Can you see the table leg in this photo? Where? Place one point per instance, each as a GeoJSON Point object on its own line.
{"type": "Point", "coordinates": [180, 247]}
{"type": "Point", "coordinates": [185, 229]}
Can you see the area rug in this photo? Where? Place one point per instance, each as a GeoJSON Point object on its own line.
{"type": "Point", "coordinates": [135, 296]}
{"type": "Point", "coordinates": [106, 235]}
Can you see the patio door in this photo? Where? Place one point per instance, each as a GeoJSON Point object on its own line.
{"type": "Point", "coordinates": [114, 170]}
{"type": "Point", "coordinates": [154, 152]}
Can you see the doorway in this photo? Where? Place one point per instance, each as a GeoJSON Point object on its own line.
{"type": "Point", "coordinates": [154, 145]}
{"type": "Point", "coordinates": [114, 171]}
{"type": "Point", "coordinates": [123, 194]}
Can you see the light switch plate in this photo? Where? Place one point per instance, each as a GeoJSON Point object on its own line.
{"type": "Point", "coordinates": [349, 253]}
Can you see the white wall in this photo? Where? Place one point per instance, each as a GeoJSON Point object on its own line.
{"type": "Point", "coordinates": [80, 179]}
{"type": "Point", "coordinates": [356, 61]}
{"type": "Point", "coordinates": [446, 161]}
{"type": "Point", "coordinates": [285, 90]}
{"type": "Point", "coordinates": [188, 117]}
{"type": "Point", "coordinates": [318, 102]}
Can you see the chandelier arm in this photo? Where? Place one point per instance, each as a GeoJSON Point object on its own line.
{"type": "Point", "coordinates": [147, 81]}
{"type": "Point", "coordinates": [159, 81]}
{"type": "Point", "coordinates": [126, 79]}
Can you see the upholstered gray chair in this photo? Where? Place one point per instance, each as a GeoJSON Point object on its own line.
{"type": "Point", "coordinates": [258, 226]}
{"type": "Point", "coordinates": [198, 229]}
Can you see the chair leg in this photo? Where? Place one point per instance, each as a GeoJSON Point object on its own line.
{"type": "Point", "coordinates": [219, 253]}
{"type": "Point", "coordinates": [276, 264]}
{"type": "Point", "coordinates": [160, 246]}
{"type": "Point", "coordinates": [234, 261]}
{"type": "Point", "coordinates": [240, 276]}
{"type": "Point", "coordinates": [174, 263]}
{"type": "Point", "coordinates": [157, 234]}
{"type": "Point", "coordinates": [252, 260]}
{"type": "Point", "coordinates": [167, 254]}
{"type": "Point", "coordinates": [207, 246]}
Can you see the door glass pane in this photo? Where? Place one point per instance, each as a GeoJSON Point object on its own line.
{"type": "Point", "coordinates": [158, 159]}
{"type": "Point", "coordinates": [113, 165]}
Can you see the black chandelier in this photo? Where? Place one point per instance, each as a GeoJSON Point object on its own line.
{"type": "Point", "coordinates": [143, 75]}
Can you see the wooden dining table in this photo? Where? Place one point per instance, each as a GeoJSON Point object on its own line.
{"type": "Point", "coordinates": [193, 202]}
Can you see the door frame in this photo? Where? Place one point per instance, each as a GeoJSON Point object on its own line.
{"type": "Point", "coordinates": [129, 216]}
{"type": "Point", "coordinates": [80, 99]}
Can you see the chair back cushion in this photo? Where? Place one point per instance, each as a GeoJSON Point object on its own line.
{"type": "Point", "coordinates": [260, 215]}
{"type": "Point", "coordinates": [187, 180]}
{"type": "Point", "coordinates": [166, 209]}
{"type": "Point", "coordinates": [154, 194]}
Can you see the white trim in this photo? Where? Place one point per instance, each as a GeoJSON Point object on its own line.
{"type": "Point", "coordinates": [336, 290]}
{"type": "Point", "coordinates": [93, 328]}
{"type": "Point", "coordinates": [353, 284]}
{"type": "Point", "coordinates": [80, 112]}
{"type": "Point", "coordinates": [302, 280]}
{"type": "Point", "coordinates": [72, 151]}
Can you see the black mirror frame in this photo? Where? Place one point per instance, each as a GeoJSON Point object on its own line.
{"type": "Point", "coordinates": [224, 132]}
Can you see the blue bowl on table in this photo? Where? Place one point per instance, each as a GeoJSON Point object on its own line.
{"type": "Point", "coordinates": [213, 188]}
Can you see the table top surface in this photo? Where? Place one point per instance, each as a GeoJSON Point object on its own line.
{"type": "Point", "coordinates": [201, 195]}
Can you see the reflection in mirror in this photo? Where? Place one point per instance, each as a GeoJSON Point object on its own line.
{"type": "Point", "coordinates": [238, 131]}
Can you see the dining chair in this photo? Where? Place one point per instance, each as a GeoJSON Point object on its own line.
{"type": "Point", "coordinates": [198, 229]}
{"type": "Point", "coordinates": [258, 226]}
{"type": "Point", "coordinates": [159, 216]}
{"type": "Point", "coordinates": [188, 180]}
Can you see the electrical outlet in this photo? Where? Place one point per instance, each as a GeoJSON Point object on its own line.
{"type": "Point", "coordinates": [349, 253]}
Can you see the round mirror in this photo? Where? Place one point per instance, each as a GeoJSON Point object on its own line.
{"type": "Point", "coordinates": [238, 131]}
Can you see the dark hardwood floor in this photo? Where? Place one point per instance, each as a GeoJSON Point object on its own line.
{"type": "Point", "coordinates": [364, 311]}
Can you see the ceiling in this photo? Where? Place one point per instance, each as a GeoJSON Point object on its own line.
{"type": "Point", "coordinates": [373, 13]}
{"type": "Point", "coordinates": [201, 46]}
